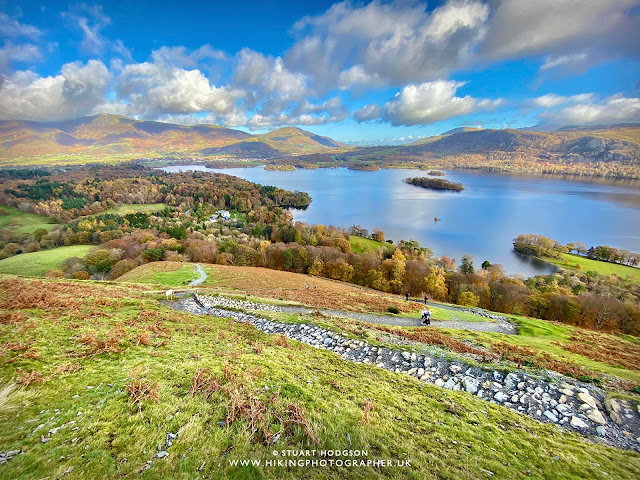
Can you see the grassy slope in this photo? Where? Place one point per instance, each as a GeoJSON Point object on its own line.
{"type": "Point", "coordinates": [125, 208]}
{"type": "Point", "coordinates": [548, 337]}
{"type": "Point", "coordinates": [358, 244]}
{"type": "Point", "coordinates": [37, 263]}
{"type": "Point", "coordinates": [539, 335]}
{"type": "Point", "coordinates": [602, 268]}
{"type": "Point", "coordinates": [20, 222]}
{"type": "Point", "coordinates": [172, 274]}
{"type": "Point", "coordinates": [445, 434]}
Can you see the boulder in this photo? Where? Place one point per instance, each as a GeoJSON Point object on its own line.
{"type": "Point", "coordinates": [578, 423]}
{"type": "Point", "coordinates": [595, 416]}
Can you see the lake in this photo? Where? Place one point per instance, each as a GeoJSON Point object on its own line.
{"type": "Point", "coordinates": [482, 220]}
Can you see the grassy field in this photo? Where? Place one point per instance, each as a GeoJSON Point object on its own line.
{"type": "Point", "coordinates": [286, 286]}
{"type": "Point", "coordinates": [37, 263]}
{"type": "Point", "coordinates": [546, 343]}
{"type": "Point", "coordinates": [125, 208]}
{"type": "Point", "coordinates": [171, 274]}
{"type": "Point", "coordinates": [446, 314]}
{"type": "Point", "coordinates": [107, 373]}
{"type": "Point", "coordinates": [359, 244]}
{"type": "Point", "coordinates": [20, 222]}
{"type": "Point", "coordinates": [552, 339]}
{"type": "Point", "coordinates": [602, 268]}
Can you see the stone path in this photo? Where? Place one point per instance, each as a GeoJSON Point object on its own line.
{"type": "Point", "coordinates": [565, 402]}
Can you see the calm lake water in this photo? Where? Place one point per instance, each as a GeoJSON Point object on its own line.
{"type": "Point", "coordinates": [482, 221]}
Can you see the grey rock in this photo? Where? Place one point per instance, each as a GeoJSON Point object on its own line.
{"type": "Point", "coordinates": [470, 385]}
{"type": "Point", "coordinates": [439, 382]}
{"type": "Point", "coordinates": [162, 454]}
{"type": "Point", "coordinates": [500, 397]}
{"type": "Point", "coordinates": [595, 416]}
{"type": "Point", "coordinates": [551, 416]}
{"type": "Point", "coordinates": [577, 423]}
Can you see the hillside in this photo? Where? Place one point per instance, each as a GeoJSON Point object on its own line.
{"type": "Point", "coordinates": [113, 135]}
{"type": "Point", "coordinates": [613, 144]}
{"type": "Point", "coordinates": [114, 383]}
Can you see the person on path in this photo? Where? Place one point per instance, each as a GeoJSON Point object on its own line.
{"type": "Point", "coordinates": [425, 299]}
{"type": "Point", "coordinates": [426, 316]}
{"type": "Point", "coordinates": [407, 296]}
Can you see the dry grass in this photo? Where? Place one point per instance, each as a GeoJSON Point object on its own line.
{"type": "Point", "coordinates": [113, 343]}
{"type": "Point", "coordinates": [140, 389]}
{"type": "Point", "coordinates": [204, 383]}
{"type": "Point", "coordinates": [6, 403]}
{"type": "Point", "coordinates": [604, 348]}
{"type": "Point", "coordinates": [432, 337]}
{"type": "Point", "coordinates": [27, 378]}
{"type": "Point", "coordinates": [287, 286]}
{"type": "Point", "coordinates": [265, 419]}
{"type": "Point", "coordinates": [367, 411]}
{"type": "Point", "coordinates": [527, 356]}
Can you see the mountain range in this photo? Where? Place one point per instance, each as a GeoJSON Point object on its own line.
{"type": "Point", "coordinates": [114, 135]}
{"type": "Point", "coordinates": [103, 136]}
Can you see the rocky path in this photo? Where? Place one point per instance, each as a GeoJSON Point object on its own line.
{"type": "Point", "coordinates": [565, 402]}
{"type": "Point", "coordinates": [203, 276]}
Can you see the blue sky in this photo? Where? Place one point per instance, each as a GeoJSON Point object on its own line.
{"type": "Point", "coordinates": [368, 72]}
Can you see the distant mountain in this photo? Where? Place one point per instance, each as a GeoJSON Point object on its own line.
{"type": "Point", "coordinates": [602, 143]}
{"type": "Point", "coordinates": [104, 135]}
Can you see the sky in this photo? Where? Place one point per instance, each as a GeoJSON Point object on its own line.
{"type": "Point", "coordinates": [375, 72]}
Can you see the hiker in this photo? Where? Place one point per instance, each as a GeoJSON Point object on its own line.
{"type": "Point", "coordinates": [306, 287]}
{"type": "Point", "coordinates": [425, 299]}
{"type": "Point", "coordinates": [406, 295]}
{"type": "Point", "coordinates": [426, 317]}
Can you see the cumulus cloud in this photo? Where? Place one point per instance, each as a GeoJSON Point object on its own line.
{"type": "Point", "coordinates": [614, 109]}
{"type": "Point", "coordinates": [75, 92]}
{"type": "Point", "coordinates": [562, 29]}
{"type": "Point", "coordinates": [368, 112]}
{"type": "Point", "coordinates": [431, 102]}
{"type": "Point", "coordinates": [154, 89]}
{"type": "Point", "coordinates": [269, 75]}
{"type": "Point", "coordinates": [394, 43]}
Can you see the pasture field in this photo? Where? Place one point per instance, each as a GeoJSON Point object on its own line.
{"type": "Point", "coordinates": [36, 264]}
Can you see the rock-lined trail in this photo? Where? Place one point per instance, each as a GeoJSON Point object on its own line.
{"type": "Point", "coordinates": [555, 399]}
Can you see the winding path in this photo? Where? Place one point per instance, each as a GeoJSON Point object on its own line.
{"type": "Point", "coordinates": [499, 324]}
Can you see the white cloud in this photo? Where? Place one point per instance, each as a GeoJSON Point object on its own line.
{"type": "Point", "coordinates": [562, 29]}
{"type": "Point", "coordinates": [12, 28]}
{"type": "Point", "coordinates": [75, 92]}
{"type": "Point", "coordinates": [564, 61]}
{"type": "Point", "coordinates": [368, 112]}
{"type": "Point", "coordinates": [431, 102]}
{"type": "Point", "coordinates": [614, 109]}
{"type": "Point", "coordinates": [25, 52]}
{"type": "Point", "coordinates": [90, 20]}
{"type": "Point", "coordinates": [183, 58]}
{"type": "Point", "coordinates": [393, 43]}
{"type": "Point", "coordinates": [552, 100]}
{"type": "Point", "coordinates": [269, 76]}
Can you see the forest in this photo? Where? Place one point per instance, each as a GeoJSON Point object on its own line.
{"type": "Point", "coordinates": [261, 233]}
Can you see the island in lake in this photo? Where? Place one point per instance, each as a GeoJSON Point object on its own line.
{"type": "Point", "coordinates": [434, 183]}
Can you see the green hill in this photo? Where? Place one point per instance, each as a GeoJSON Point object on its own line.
{"type": "Point", "coordinates": [115, 384]}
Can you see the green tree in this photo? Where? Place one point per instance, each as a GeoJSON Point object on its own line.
{"type": "Point", "coordinates": [467, 265]}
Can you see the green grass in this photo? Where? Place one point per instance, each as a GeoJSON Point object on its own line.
{"type": "Point", "coordinates": [19, 222]}
{"type": "Point", "coordinates": [445, 314]}
{"type": "Point", "coordinates": [445, 434]}
{"type": "Point", "coordinates": [125, 208]}
{"type": "Point", "coordinates": [37, 263]}
{"type": "Point", "coordinates": [168, 273]}
{"type": "Point", "coordinates": [359, 244]}
{"type": "Point", "coordinates": [545, 336]}
{"type": "Point", "coordinates": [601, 268]}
